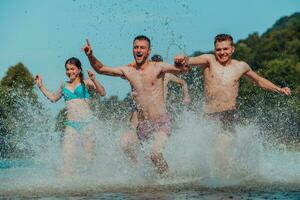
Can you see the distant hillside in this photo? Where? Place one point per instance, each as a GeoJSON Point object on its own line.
{"type": "Point", "coordinates": [289, 22]}
{"type": "Point", "coordinates": [276, 52]}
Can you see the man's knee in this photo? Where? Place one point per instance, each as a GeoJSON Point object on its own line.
{"type": "Point", "coordinates": [127, 140]}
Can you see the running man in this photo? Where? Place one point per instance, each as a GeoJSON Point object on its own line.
{"type": "Point", "coordinates": [221, 84]}
{"type": "Point", "coordinates": [171, 77]}
{"type": "Point", "coordinates": [147, 82]}
{"type": "Point", "coordinates": [168, 77]}
{"type": "Point", "coordinates": [130, 139]}
{"type": "Point", "coordinates": [221, 80]}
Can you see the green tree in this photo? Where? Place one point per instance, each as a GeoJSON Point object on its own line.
{"type": "Point", "coordinates": [275, 55]}
{"type": "Point", "coordinates": [19, 108]}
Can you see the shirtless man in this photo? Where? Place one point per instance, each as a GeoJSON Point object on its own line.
{"type": "Point", "coordinates": [221, 79]}
{"type": "Point", "coordinates": [130, 139]}
{"type": "Point", "coordinates": [171, 77]}
{"type": "Point", "coordinates": [146, 79]}
{"type": "Point", "coordinates": [168, 77]}
{"type": "Point", "coordinates": [221, 85]}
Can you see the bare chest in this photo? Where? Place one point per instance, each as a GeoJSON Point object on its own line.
{"type": "Point", "coordinates": [223, 75]}
{"type": "Point", "coordinates": [144, 80]}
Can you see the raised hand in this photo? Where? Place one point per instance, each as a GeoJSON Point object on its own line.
{"type": "Point", "coordinates": [180, 60]}
{"type": "Point", "coordinates": [87, 48]}
{"type": "Point", "coordinates": [286, 91]}
{"type": "Point", "coordinates": [91, 74]}
{"type": "Point", "coordinates": [38, 80]}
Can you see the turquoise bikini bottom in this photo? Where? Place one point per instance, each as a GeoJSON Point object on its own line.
{"type": "Point", "coordinates": [79, 126]}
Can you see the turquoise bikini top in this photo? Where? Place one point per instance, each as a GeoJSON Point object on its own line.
{"type": "Point", "coordinates": [80, 92]}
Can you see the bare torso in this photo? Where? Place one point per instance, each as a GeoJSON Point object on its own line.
{"type": "Point", "coordinates": [222, 85]}
{"type": "Point", "coordinates": [78, 109]}
{"type": "Point", "coordinates": [147, 90]}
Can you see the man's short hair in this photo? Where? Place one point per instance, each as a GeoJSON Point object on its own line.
{"type": "Point", "coordinates": [156, 58]}
{"type": "Point", "coordinates": [223, 37]}
{"type": "Point", "coordinates": [143, 37]}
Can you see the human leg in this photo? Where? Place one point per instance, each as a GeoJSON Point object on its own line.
{"type": "Point", "coordinates": [129, 142]}
{"type": "Point", "coordinates": [223, 157]}
{"type": "Point", "coordinates": [129, 139]}
{"type": "Point", "coordinates": [69, 150]}
{"type": "Point", "coordinates": [159, 143]}
{"type": "Point", "coordinates": [89, 142]}
{"type": "Point", "coordinates": [226, 122]}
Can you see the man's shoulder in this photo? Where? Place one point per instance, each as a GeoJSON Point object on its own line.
{"type": "Point", "coordinates": [207, 60]}
{"type": "Point", "coordinates": [209, 55]}
{"type": "Point", "coordinates": [241, 64]}
{"type": "Point", "coordinates": [159, 65]}
{"type": "Point", "coordinates": [130, 65]}
{"type": "Point", "coordinates": [210, 58]}
{"type": "Point", "coordinates": [127, 67]}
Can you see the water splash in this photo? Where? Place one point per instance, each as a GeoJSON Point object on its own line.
{"type": "Point", "coordinates": [191, 153]}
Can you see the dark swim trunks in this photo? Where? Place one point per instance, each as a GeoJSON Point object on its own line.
{"type": "Point", "coordinates": [147, 127]}
{"type": "Point", "coordinates": [228, 119]}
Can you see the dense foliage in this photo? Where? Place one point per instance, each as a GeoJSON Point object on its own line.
{"type": "Point", "coordinates": [19, 110]}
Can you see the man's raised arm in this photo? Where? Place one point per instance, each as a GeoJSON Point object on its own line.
{"type": "Point", "coordinates": [186, 97]}
{"type": "Point", "coordinates": [167, 68]}
{"type": "Point", "coordinates": [265, 83]}
{"type": "Point", "coordinates": [183, 60]}
{"type": "Point", "coordinates": [98, 66]}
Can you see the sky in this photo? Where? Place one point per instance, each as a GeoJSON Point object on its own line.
{"type": "Point", "coordinates": [44, 34]}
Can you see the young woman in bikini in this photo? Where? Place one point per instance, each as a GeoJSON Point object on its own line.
{"type": "Point", "coordinates": [80, 122]}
